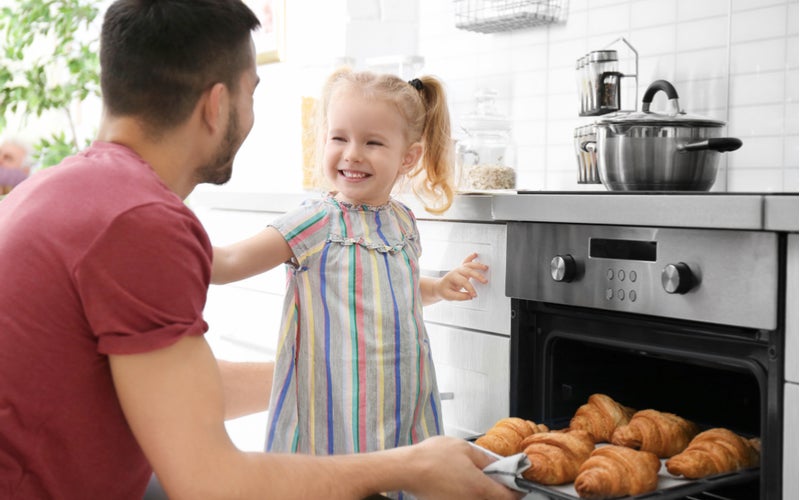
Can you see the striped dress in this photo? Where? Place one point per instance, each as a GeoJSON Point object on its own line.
{"type": "Point", "coordinates": [353, 371]}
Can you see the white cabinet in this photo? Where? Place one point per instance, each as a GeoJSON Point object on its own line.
{"type": "Point", "coordinates": [243, 317]}
{"type": "Point", "coordinates": [472, 371]}
{"type": "Point", "coordinates": [444, 246]}
{"type": "Point", "coordinates": [469, 340]}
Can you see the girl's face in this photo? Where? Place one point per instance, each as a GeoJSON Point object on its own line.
{"type": "Point", "coordinates": [366, 149]}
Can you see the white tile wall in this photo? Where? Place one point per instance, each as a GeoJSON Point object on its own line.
{"type": "Point", "coordinates": [733, 60]}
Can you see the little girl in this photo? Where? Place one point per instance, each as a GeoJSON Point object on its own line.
{"type": "Point", "coordinates": [353, 371]}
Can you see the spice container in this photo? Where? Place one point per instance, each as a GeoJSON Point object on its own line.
{"type": "Point", "coordinates": [485, 157]}
{"type": "Point", "coordinates": [585, 138]}
{"type": "Point", "coordinates": [604, 79]}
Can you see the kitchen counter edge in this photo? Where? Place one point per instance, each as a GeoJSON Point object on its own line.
{"type": "Point", "coordinates": [746, 211]}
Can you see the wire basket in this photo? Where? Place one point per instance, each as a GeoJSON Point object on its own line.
{"type": "Point", "coordinates": [491, 16]}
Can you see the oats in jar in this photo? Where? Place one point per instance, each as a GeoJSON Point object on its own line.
{"type": "Point", "coordinates": [486, 176]}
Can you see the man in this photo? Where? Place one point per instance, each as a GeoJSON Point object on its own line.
{"type": "Point", "coordinates": [15, 163]}
{"type": "Point", "coordinates": [104, 370]}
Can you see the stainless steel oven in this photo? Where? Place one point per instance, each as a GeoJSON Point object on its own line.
{"type": "Point", "coordinates": [683, 320]}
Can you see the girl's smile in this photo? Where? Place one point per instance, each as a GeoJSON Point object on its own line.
{"type": "Point", "coordinates": [353, 174]}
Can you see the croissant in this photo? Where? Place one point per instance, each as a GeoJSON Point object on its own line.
{"type": "Point", "coordinates": [664, 434]}
{"type": "Point", "coordinates": [556, 456]}
{"type": "Point", "coordinates": [505, 436]}
{"type": "Point", "coordinates": [600, 416]}
{"type": "Point", "coordinates": [616, 471]}
{"type": "Point", "coordinates": [713, 452]}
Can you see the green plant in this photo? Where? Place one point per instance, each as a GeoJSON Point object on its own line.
{"type": "Point", "coordinates": [49, 63]}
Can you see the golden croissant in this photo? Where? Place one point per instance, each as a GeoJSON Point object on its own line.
{"type": "Point", "coordinates": [713, 452]}
{"type": "Point", "coordinates": [505, 436]}
{"type": "Point", "coordinates": [556, 456]}
{"type": "Point", "coordinates": [617, 471]}
{"type": "Point", "coordinates": [664, 434]}
{"type": "Point", "coordinates": [600, 416]}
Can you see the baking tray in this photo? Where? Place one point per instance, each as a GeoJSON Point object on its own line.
{"type": "Point", "coordinates": [669, 486]}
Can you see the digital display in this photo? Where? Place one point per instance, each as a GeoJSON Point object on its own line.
{"type": "Point", "coordinates": [602, 248]}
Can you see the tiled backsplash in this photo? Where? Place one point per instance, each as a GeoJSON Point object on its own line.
{"type": "Point", "coordinates": [732, 60]}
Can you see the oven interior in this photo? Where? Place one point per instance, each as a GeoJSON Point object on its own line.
{"type": "Point", "coordinates": [717, 376]}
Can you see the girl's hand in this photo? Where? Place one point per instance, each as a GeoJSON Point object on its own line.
{"type": "Point", "coordinates": [457, 284]}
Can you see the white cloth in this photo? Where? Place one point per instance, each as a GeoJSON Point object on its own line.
{"type": "Point", "coordinates": [507, 470]}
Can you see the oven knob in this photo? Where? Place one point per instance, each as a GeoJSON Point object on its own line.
{"type": "Point", "coordinates": [562, 268]}
{"type": "Point", "coordinates": [677, 278]}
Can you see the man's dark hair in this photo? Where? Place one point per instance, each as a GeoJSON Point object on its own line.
{"type": "Point", "coordinates": [158, 56]}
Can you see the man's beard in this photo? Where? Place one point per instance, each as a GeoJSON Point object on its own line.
{"type": "Point", "coordinates": [219, 170]}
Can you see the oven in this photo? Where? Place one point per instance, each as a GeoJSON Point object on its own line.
{"type": "Point", "coordinates": [687, 321]}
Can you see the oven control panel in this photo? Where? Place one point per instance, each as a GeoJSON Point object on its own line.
{"type": "Point", "coordinates": [718, 276]}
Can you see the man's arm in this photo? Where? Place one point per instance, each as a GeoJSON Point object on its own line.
{"type": "Point", "coordinates": [174, 403]}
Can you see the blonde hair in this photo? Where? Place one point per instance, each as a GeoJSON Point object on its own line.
{"type": "Point", "coordinates": [428, 119]}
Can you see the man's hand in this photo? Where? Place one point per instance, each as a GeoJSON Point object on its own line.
{"type": "Point", "coordinates": [452, 468]}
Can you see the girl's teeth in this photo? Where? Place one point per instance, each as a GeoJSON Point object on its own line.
{"type": "Point", "coordinates": [350, 174]}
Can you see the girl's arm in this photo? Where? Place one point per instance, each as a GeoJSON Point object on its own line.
{"type": "Point", "coordinates": [249, 257]}
{"type": "Point", "coordinates": [454, 285]}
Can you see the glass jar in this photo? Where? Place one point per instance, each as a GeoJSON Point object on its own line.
{"type": "Point", "coordinates": [485, 156]}
{"type": "Point", "coordinates": [604, 79]}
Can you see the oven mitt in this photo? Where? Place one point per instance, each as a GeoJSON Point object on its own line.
{"type": "Point", "coordinates": [507, 470]}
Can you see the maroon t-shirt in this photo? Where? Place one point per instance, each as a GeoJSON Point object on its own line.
{"type": "Point", "coordinates": [97, 257]}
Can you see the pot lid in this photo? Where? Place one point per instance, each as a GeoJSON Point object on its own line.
{"type": "Point", "coordinates": [673, 117]}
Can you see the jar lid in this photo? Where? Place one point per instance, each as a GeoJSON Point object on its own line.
{"type": "Point", "coordinates": [602, 55]}
{"type": "Point", "coordinates": [485, 116]}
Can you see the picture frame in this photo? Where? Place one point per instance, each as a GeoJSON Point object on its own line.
{"type": "Point", "coordinates": [270, 37]}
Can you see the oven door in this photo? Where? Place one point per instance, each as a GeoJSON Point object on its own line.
{"type": "Point", "coordinates": [714, 375]}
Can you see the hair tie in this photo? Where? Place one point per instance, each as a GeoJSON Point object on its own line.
{"type": "Point", "coordinates": [416, 83]}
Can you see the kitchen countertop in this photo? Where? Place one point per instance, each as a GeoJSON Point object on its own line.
{"type": "Point", "coordinates": [744, 211]}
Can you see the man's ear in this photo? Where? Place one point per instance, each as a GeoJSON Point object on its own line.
{"type": "Point", "coordinates": [412, 156]}
{"type": "Point", "coordinates": [211, 103]}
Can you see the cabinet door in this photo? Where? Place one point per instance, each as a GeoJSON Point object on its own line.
{"type": "Point", "coordinates": [472, 370]}
{"type": "Point", "coordinates": [444, 246]}
{"type": "Point", "coordinates": [244, 317]}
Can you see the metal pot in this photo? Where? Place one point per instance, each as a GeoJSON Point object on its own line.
{"type": "Point", "coordinates": [659, 152]}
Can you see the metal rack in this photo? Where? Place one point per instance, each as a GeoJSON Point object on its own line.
{"type": "Point", "coordinates": [491, 16]}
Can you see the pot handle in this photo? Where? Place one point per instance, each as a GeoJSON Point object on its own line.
{"type": "Point", "coordinates": [654, 87]}
{"type": "Point", "coordinates": [720, 144]}
{"type": "Point", "coordinates": [589, 146]}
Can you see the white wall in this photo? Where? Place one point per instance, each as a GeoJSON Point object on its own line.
{"type": "Point", "coordinates": [320, 35]}
{"type": "Point", "coordinates": [734, 60]}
